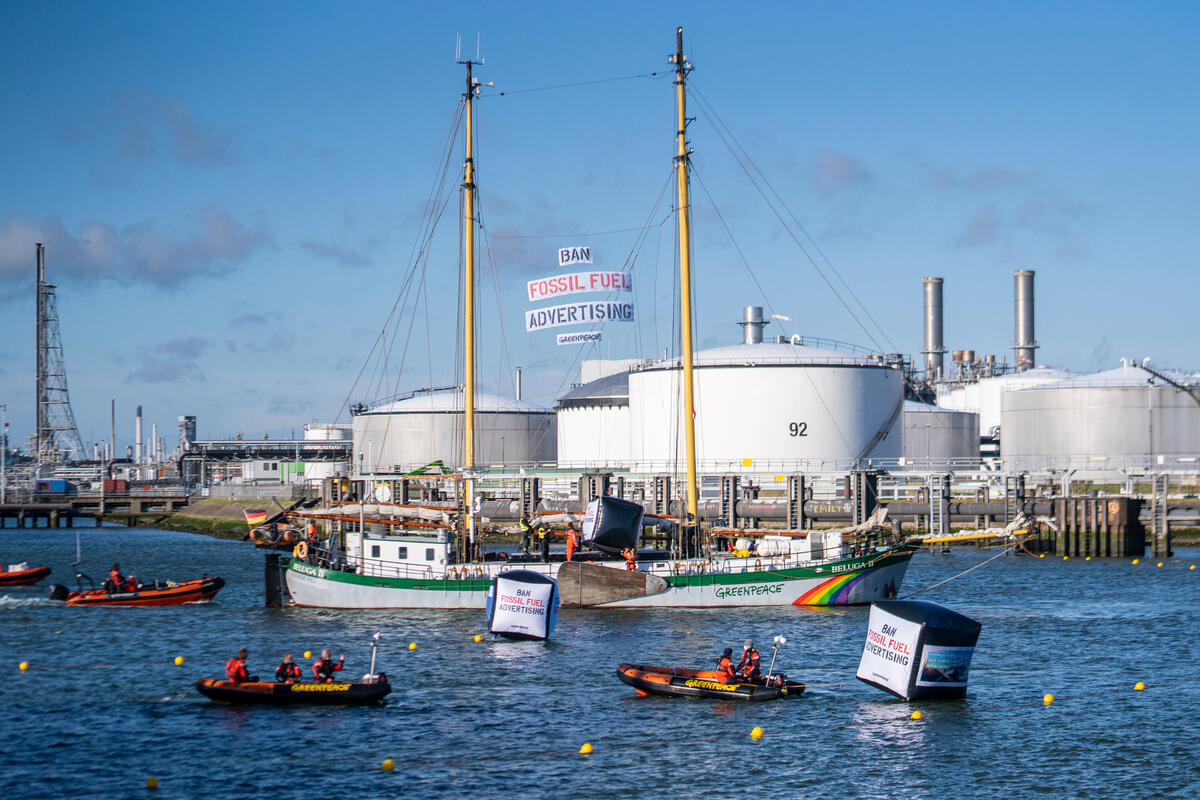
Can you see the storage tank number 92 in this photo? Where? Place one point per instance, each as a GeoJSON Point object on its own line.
{"type": "Point", "coordinates": [798, 429]}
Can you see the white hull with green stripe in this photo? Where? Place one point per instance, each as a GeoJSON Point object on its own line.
{"type": "Point", "coordinates": [721, 581]}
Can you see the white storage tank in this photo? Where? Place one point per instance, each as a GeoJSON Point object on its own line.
{"type": "Point", "coordinates": [983, 395]}
{"type": "Point", "coordinates": [936, 435]}
{"type": "Point", "coordinates": [768, 407]}
{"type": "Point", "coordinates": [1101, 423]}
{"type": "Point", "coordinates": [428, 426]}
{"type": "Point", "coordinates": [593, 424]}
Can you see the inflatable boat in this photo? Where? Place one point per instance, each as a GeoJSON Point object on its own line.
{"type": "Point", "coordinates": [22, 575]}
{"type": "Point", "coordinates": [682, 682]}
{"type": "Point", "coordinates": [159, 593]}
{"type": "Point", "coordinates": [263, 692]}
{"type": "Point", "coordinates": [278, 538]}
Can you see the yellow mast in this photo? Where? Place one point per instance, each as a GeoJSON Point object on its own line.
{"type": "Point", "coordinates": [469, 308]}
{"type": "Point", "coordinates": [685, 272]}
{"type": "Point", "coordinates": [469, 280]}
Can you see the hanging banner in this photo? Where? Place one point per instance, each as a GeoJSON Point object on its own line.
{"type": "Point", "coordinates": [579, 338]}
{"type": "Point", "coordinates": [577, 314]}
{"type": "Point", "coordinates": [576, 282]}
{"type": "Point", "coordinates": [574, 255]}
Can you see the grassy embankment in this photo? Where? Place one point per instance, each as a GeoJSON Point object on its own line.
{"type": "Point", "coordinates": [224, 519]}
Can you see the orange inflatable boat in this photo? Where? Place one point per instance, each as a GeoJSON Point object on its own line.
{"type": "Point", "coordinates": [683, 682]}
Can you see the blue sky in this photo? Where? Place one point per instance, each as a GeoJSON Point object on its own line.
{"type": "Point", "coordinates": [230, 192]}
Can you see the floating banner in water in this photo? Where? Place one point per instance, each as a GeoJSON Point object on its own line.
{"type": "Point", "coordinates": [576, 314]}
{"type": "Point", "coordinates": [574, 255]}
{"type": "Point", "coordinates": [612, 524]}
{"type": "Point", "coordinates": [918, 650]}
{"type": "Point", "coordinates": [579, 338]}
{"type": "Point", "coordinates": [577, 283]}
{"type": "Point", "coordinates": [522, 605]}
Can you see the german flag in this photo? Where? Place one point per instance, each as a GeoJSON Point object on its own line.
{"type": "Point", "coordinates": [254, 518]}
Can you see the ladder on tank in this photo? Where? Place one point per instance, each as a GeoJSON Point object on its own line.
{"type": "Point", "coordinates": [939, 505]}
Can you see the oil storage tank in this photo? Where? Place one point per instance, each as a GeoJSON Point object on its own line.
{"type": "Point", "coordinates": [428, 426]}
{"type": "Point", "coordinates": [1102, 423]}
{"type": "Point", "coordinates": [797, 405]}
{"type": "Point", "coordinates": [593, 423]}
{"type": "Point", "coordinates": [983, 394]}
{"type": "Point", "coordinates": [934, 435]}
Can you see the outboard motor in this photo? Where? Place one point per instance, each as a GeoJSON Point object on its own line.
{"type": "Point", "coordinates": [59, 592]}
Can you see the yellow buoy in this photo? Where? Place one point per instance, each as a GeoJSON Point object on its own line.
{"type": "Point", "coordinates": [308, 653]}
{"type": "Point", "coordinates": [412, 645]}
{"type": "Point", "coordinates": [1089, 558]}
{"type": "Point", "coordinates": [24, 665]}
{"type": "Point", "coordinates": [479, 637]}
{"type": "Point", "coordinates": [917, 715]}
{"type": "Point", "coordinates": [1065, 558]}
{"type": "Point", "coordinates": [178, 660]}
{"type": "Point", "coordinates": [1193, 566]}
{"type": "Point", "coordinates": [1139, 687]}
{"type": "Point", "coordinates": [1041, 555]}
{"type": "Point", "coordinates": [151, 782]}
{"type": "Point", "coordinates": [388, 765]}
{"type": "Point", "coordinates": [1159, 564]}
{"type": "Point", "coordinates": [756, 733]}
{"type": "Point", "coordinates": [1136, 560]}
{"type": "Point", "coordinates": [1047, 699]}
{"type": "Point", "coordinates": [586, 749]}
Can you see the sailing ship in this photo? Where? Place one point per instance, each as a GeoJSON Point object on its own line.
{"type": "Point", "coordinates": [402, 556]}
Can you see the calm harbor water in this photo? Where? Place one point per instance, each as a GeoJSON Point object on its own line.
{"type": "Point", "coordinates": [102, 706]}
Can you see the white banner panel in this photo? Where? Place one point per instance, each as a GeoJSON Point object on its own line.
{"type": "Point", "coordinates": [522, 608]}
{"type": "Point", "coordinates": [577, 314]}
{"type": "Point", "coordinates": [579, 338]}
{"type": "Point", "coordinates": [574, 255]}
{"type": "Point", "coordinates": [588, 529]}
{"type": "Point", "coordinates": [887, 658]}
{"type": "Point", "coordinates": [577, 282]}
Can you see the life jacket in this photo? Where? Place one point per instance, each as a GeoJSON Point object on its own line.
{"type": "Point", "coordinates": [630, 560]}
{"type": "Point", "coordinates": [286, 672]}
{"type": "Point", "coordinates": [751, 663]}
{"type": "Point", "coordinates": [323, 668]}
{"type": "Point", "coordinates": [115, 577]}
{"type": "Point", "coordinates": [524, 526]}
{"type": "Point", "coordinates": [235, 670]}
{"type": "Point", "coordinates": [312, 533]}
{"type": "Point", "coordinates": [131, 584]}
{"type": "Point", "coordinates": [725, 669]}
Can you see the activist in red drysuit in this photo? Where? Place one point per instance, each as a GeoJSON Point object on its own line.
{"type": "Point", "coordinates": [325, 666]}
{"type": "Point", "coordinates": [572, 542]}
{"type": "Point", "coordinates": [751, 664]}
{"type": "Point", "coordinates": [725, 667]}
{"type": "Point", "coordinates": [235, 668]}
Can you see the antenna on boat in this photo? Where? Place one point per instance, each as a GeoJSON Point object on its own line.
{"type": "Point", "coordinates": [776, 642]}
{"type": "Point", "coordinates": [371, 676]}
{"type": "Point", "coordinates": [682, 152]}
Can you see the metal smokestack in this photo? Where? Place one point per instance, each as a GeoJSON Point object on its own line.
{"type": "Point", "coordinates": [518, 383]}
{"type": "Point", "coordinates": [1024, 343]}
{"type": "Point", "coordinates": [154, 457]}
{"type": "Point", "coordinates": [752, 325]}
{"type": "Point", "coordinates": [935, 349]}
{"type": "Point", "coordinates": [137, 432]}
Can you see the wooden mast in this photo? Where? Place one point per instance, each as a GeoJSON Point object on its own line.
{"type": "Point", "coordinates": [685, 273]}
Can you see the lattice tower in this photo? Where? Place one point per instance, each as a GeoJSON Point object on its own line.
{"type": "Point", "coordinates": [57, 435]}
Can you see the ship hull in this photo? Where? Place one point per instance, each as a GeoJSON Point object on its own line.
{"type": "Point", "coordinates": [725, 583]}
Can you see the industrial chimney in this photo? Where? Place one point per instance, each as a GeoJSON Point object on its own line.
{"type": "Point", "coordinates": [752, 325]}
{"type": "Point", "coordinates": [934, 350]}
{"type": "Point", "coordinates": [1024, 344]}
{"type": "Point", "coordinates": [137, 451]}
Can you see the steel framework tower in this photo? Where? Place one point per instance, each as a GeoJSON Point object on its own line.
{"type": "Point", "coordinates": [57, 434]}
